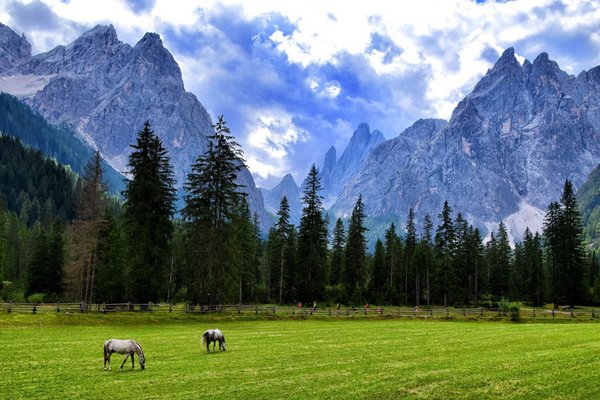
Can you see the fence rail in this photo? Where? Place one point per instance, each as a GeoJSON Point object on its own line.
{"type": "Point", "coordinates": [282, 311]}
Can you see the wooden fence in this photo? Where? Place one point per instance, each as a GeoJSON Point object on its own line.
{"type": "Point", "coordinates": [304, 312]}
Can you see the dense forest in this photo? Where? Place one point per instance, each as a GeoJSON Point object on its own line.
{"type": "Point", "coordinates": [59, 143]}
{"type": "Point", "coordinates": [62, 237]}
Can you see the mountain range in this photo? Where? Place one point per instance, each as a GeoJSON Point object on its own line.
{"type": "Point", "coordinates": [105, 90]}
{"type": "Point", "coordinates": [502, 156]}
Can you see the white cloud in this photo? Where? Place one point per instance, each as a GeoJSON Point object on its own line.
{"type": "Point", "coordinates": [271, 137]}
{"type": "Point", "coordinates": [439, 42]}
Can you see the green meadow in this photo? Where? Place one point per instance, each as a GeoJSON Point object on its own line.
{"type": "Point", "coordinates": [61, 357]}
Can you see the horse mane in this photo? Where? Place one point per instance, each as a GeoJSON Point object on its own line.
{"type": "Point", "coordinates": [138, 348]}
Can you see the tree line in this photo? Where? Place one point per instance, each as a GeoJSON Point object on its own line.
{"type": "Point", "coordinates": [102, 250]}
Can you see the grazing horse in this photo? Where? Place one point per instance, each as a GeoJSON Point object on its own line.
{"type": "Point", "coordinates": [128, 347]}
{"type": "Point", "coordinates": [214, 336]}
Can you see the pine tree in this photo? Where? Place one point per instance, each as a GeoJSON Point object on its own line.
{"type": "Point", "coordinates": [149, 208]}
{"type": "Point", "coordinates": [445, 245]}
{"type": "Point", "coordinates": [552, 235]}
{"type": "Point", "coordinates": [501, 262]}
{"type": "Point", "coordinates": [212, 203]}
{"type": "Point", "coordinates": [355, 254]}
{"type": "Point", "coordinates": [312, 241]}
{"type": "Point", "coordinates": [379, 272]}
{"type": "Point", "coordinates": [393, 257]}
{"type": "Point", "coordinates": [337, 253]}
{"type": "Point", "coordinates": [283, 230]}
{"type": "Point", "coordinates": [409, 267]}
{"type": "Point", "coordinates": [571, 250]}
{"type": "Point", "coordinates": [85, 229]}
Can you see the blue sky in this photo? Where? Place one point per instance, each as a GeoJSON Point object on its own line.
{"type": "Point", "coordinates": [293, 78]}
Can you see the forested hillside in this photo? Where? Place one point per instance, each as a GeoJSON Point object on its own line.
{"type": "Point", "coordinates": [588, 197]}
{"type": "Point", "coordinates": [18, 120]}
{"type": "Point", "coordinates": [34, 186]}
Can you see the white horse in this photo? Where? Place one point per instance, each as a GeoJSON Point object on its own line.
{"type": "Point", "coordinates": [128, 347]}
{"type": "Point", "coordinates": [214, 336]}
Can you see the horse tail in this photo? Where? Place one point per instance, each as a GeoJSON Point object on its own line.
{"type": "Point", "coordinates": [203, 339]}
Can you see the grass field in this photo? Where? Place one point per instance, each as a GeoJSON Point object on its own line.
{"type": "Point", "coordinates": [60, 357]}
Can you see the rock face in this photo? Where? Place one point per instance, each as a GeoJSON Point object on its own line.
{"type": "Point", "coordinates": [106, 90]}
{"type": "Point", "coordinates": [506, 151]}
{"type": "Point", "coordinates": [335, 173]}
{"type": "Point", "coordinates": [14, 49]}
{"type": "Point", "coordinates": [287, 187]}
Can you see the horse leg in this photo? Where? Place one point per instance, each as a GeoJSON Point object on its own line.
{"type": "Point", "coordinates": [132, 362]}
{"type": "Point", "coordinates": [107, 360]}
{"type": "Point", "coordinates": [124, 360]}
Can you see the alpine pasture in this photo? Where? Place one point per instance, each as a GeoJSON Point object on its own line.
{"type": "Point", "coordinates": [58, 356]}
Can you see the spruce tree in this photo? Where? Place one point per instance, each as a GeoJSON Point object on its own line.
{"type": "Point", "coordinates": [85, 232]}
{"type": "Point", "coordinates": [571, 250]}
{"type": "Point", "coordinates": [379, 272]}
{"type": "Point", "coordinates": [393, 259]}
{"type": "Point", "coordinates": [338, 245]}
{"type": "Point", "coordinates": [284, 231]}
{"type": "Point", "coordinates": [212, 203]}
{"type": "Point", "coordinates": [445, 244]}
{"type": "Point", "coordinates": [355, 254]}
{"type": "Point", "coordinates": [148, 211]}
{"type": "Point", "coordinates": [410, 269]}
{"type": "Point", "coordinates": [501, 262]}
{"type": "Point", "coordinates": [312, 241]}
{"type": "Point", "coordinates": [552, 240]}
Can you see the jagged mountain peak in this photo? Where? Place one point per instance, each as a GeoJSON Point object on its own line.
{"type": "Point", "coordinates": [14, 49]}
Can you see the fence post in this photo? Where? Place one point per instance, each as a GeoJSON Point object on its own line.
{"type": "Point", "coordinates": [170, 307]}
{"type": "Point", "coordinates": [465, 312]}
{"type": "Point", "coordinates": [481, 312]}
{"type": "Point", "coordinates": [534, 313]}
{"type": "Point", "coordinates": [553, 313]}
{"type": "Point", "coordinates": [34, 308]}
{"type": "Point", "coordinates": [58, 307]}
{"type": "Point", "coordinates": [257, 309]}
{"type": "Point", "coordinates": [274, 309]}
{"type": "Point", "coordinates": [572, 313]}
{"type": "Point", "coordinates": [593, 314]}
{"type": "Point", "coordinates": [9, 307]}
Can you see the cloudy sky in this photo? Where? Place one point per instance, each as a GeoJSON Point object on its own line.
{"type": "Point", "coordinates": [294, 77]}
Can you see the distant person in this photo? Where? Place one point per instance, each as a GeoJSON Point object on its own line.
{"type": "Point", "coordinates": [314, 306]}
{"type": "Point", "coordinates": [299, 305]}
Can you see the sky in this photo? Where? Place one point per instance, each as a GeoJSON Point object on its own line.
{"type": "Point", "coordinates": [294, 77]}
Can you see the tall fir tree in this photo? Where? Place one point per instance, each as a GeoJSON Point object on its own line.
{"type": "Point", "coordinates": [356, 254]}
{"type": "Point", "coordinates": [336, 259]}
{"type": "Point", "coordinates": [85, 232]}
{"type": "Point", "coordinates": [312, 241]}
{"type": "Point", "coordinates": [500, 273]}
{"type": "Point", "coordinates": [284, 228]}
{"type": "Point", "coordinates": [445, 244]}
{"type": "Point", "coordinates": [148, 211]}
{"type": "Point", "coordinates": [212, 203]}
{"type": "Point", "coordinates": [572, 255]}
{"type": "Point", "coordinates": [393, 259]}
{"type": "Point", "coordinates": [552, 244]}
{"type": "Point", "coordinates": [411, 271]}
{"type": "Point", "coordinates": [379, 273]}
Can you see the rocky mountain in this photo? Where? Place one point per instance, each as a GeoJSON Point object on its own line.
{"type": "Point", "coordinates": [287, 187]}
{"type": "Point", "coordinates": [14, 49]}
{"type": "Point", "coordinates": [106, 89]}
{"type": "Point", "coordinates": [335, 173]}
{"type": "Point", "coordinates": [504, 155]}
